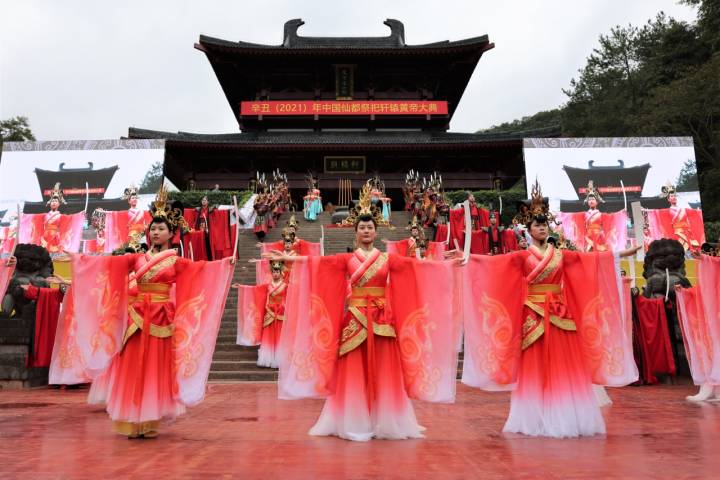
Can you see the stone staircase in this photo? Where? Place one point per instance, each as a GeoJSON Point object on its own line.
{"type": "Point", "coordinates": [236, 363]}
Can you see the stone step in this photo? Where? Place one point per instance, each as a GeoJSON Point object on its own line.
{"type": "Point", "coordinates": [236, 366]}
{"type": "Point", "coordinates": [235, 355]}
{"type": "Point", "coordinates": [265, 374]}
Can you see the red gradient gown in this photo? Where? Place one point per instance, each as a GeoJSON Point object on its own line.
{"type": "Point", "coordinates": [299, 247]}
{"type": "Point", "coordinates": [122, 226]}
{"type": "Point", "coordinates": [699, 318]}
{"type": "Point", "coordinates": [562, 329]}
{"type": "Point", "coordinates": [368, 334]}
{"type": "Point", "coordinates": [595, 231]}
{"type": "Point", "coordinates": [407, 248]}
{"type": "Point", "coordinates": [153, 341]}
{"type": "Point", "coordinates": [52, 230]}
{"type": "Point", "coordinates": [261, 313]}
{"type": "Point", "coordinates": [682, 224]}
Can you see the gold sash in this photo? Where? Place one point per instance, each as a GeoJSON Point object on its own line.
{"type": "Point", "coordinates": [533, 328]}
{"type": "Point", "coordinates": [154, 293]}
{"type": "Point", "coordinates": [355, 333]}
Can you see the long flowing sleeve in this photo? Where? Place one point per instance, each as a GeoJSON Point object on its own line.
{"type": "Point", "coordinates": [250, 314]}
{"type": "Point", "coordinates": [67, 366]}
{"type": "Point", "coordinates": [426, 302]}
{"type": "Point", "coordinates": [100, 302]}
{"type": "Point", "coordinates": [201, 291]}
{"type": "Point", "coordinates": [310, 336]}
{"type": "Point", "coordinates": [700, 322]}
{"type": "Point", "coordinates": [398, 247]}
{"type": "Point", "coordinates": [596, 298]}
{"type": "Point", "coordinates": [493, 293]}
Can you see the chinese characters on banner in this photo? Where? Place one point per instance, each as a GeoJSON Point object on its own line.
{"type": "Point", "coordinates": [344, 164]}
{"type": "Point", "coordinates": [344, 107]}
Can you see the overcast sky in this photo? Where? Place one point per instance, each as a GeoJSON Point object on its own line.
{"type": "Point", "coordinates": [90, 69]}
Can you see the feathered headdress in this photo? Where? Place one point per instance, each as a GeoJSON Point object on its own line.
{"type": "Point", "coordinates": [56, 194]}
{"type": "Point", "coordinates": [172, 212]}
{"type": "Point", "coordinates": [593, 192]}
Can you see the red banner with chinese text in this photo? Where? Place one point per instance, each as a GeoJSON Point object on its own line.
{"type": "Point", "coordinates": [344, 107]}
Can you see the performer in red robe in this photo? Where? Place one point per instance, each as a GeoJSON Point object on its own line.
{"type": "Point", "coordinates": [155, 346]}
{"type": "Point", "coordinates": [652, 339]}
{"type": "Point", "coordinates": [54, 231]}
{"type": "Point", "coordinates": [347, 317]}
{"type": "Point", "coordinates": [593, 230]}
{"type": "Point", "coordinates": [416, 246]}
{"type": "Point", "coordinates": [47, 310]}
{"type": "Point", "coordinates": [291, 245]}
{"type": "Point", "coordinates": [682, 224]}
{"type": "Point", "coordinates": [492, 243]}
{"type": "Point", "coordinates": [261, 313]}
{"type": "Point", "coordinates": [479, 217]}
{"type": "Point", "coordinates": [126, 227]}
{"type": "Point", "coordinates": [699, 318]}
{"type": "Point", "coordinates": [561, 330]}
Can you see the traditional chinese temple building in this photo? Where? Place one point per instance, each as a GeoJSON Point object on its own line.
{"type": "Point", "coordinates": [607, 180]}
{"type": "Point", "coordinates": [75, 183]}
{"type": "Point", "coordinates": [343, 108]}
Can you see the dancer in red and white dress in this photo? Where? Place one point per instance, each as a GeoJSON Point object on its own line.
{"type": "Point", "coordinates": [416, 246]}
{"type": "Point", "coordinates": [261, 312]}
{"type": "Point", "coordinates": [360, 333]}
{"type": "Point", "coordinates": [563, 329]}
{"type": "Point", "coordinates": [152, 339]}
{"type": "Point", "coordinates": [593, 230]}
{"type": "Point", "coordinates": [54, 231]}
{"type": "Point", "coordinates": [699, 318]}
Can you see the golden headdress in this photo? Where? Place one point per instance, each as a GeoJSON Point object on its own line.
{"type": "Point", "coordinates": [172, 212]}
{"type": "Point", "coordinates": [288, 235]}
{"type": "Point", "coordinates": [277, 266]}
{"type": "Point", "coordinates": [593, 192]}
{"type": "Point", "coordinates": [129, 192]}
{"type": "Point", "coordinates": [538, 207]}
{"type": "Point", "coordinates": [292, 222]}
{"type": "Point", "coordinates": [667, 190]}
{"type": "Point", "coordinates": [364, 206]}
{"type": "Point", "coordinates": [416, 224]}
{"type": "Point", "coordinates": [56, 194]}
{"type": "Point", "coordinates": [97, 219]}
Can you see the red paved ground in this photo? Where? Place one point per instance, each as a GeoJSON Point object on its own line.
{"type": "Point", "coordinates": [243, 431]}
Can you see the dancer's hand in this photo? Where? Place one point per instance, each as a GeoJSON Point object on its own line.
{"type": "Point", "coordinates": [274, 255]}
{"type": "Point", "coordinates": [12, 261]}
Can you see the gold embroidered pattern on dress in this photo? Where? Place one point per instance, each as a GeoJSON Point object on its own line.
{"type": "Point", "coordinates": [161, 265]}
{"type": "Point", "coordinates": [372, 269]}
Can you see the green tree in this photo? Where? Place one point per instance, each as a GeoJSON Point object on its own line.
{"type": "Point", "coordinates": [687, 181]}
{"type": "Point", "coordinates": [153, 178]}
{"type": "Point", "coordinates": [547, 120]}
{"type": "Point", "coordinates": [660, 79]}
{"type": "Point", "coordinates": [15, 129]}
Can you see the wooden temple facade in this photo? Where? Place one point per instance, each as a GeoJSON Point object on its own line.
{"type": "Point", "coordinates": [343, 108]}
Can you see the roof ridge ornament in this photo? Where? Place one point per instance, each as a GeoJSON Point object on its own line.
{"type": "Point", "coordinates": [292, 39]}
